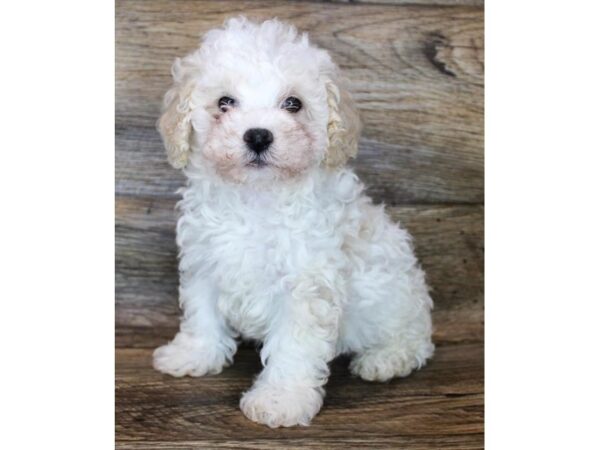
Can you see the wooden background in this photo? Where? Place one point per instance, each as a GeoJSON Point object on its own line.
{"type": "Point", "coordinates": [416, 72]}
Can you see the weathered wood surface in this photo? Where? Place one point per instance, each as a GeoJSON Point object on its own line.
{"type": "Point", "coordinates": [415, 71]}
{"type": "Point", "coordinates": [448, 241]}
{"type": "Point", "coordinates": [440, 406]}
{"type": "Point", "coordinates": [464, 442]}
{"type": "Point", "coordinates": [392, 173]}
{"type": "Point", "coordinates": [411, 2]}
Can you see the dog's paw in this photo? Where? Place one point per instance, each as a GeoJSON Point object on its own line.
{"type": "Point", "coordinates": [186, 355]}
{"type": "Point", "coordinates": [281, 406]}
{"type": "Point", "coordinates": [373, 368]}
{"type": "Point", "coordinates": [385, 364]}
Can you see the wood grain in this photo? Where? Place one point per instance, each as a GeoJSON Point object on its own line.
{"type": "Point", "coordinates": [440, 406]}
{"type": "Point", "coordinates": [464, 442]}
{"type": "Point", "coordinates": [392, 173]}
{"type": "Point", "coordinates": [415, 71]}
{"type": "Point", "coordinates": [448, 241]}
{"type": "Point", "coordinates": [411, 2]}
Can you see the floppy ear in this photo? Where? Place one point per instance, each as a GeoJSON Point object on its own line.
{"type": "Point", "coordinates": [175, 124]}
{"type": "Point", "coordinates": [343, 127]}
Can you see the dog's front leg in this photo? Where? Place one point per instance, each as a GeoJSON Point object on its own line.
{"type": "Point", "coordinates": [204, 344]}
{"type": "Point", "coordinates": [296, 353]}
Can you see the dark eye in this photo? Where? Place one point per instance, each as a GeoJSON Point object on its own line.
{"type": "Point", "coordinates": [225, 103]}
{"type": "Point", "coordinates": [292, 104]}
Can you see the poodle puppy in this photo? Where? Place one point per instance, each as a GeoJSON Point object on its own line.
{"type": "Point", "coordinates": [278, 242]}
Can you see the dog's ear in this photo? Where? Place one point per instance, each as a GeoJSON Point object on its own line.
{"type": "Point", "coordinates": [175, 124]}
{"type": "Point", "coordinates": [343, 126]}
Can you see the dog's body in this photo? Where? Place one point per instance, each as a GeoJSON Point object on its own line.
{"type": "Point", "coordinates": [278, 242]}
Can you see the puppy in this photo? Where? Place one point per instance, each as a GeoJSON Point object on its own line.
{"type": "Point", "coordinates": [278, 242]}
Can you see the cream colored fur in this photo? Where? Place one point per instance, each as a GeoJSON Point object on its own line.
{"type": "Point", "coordinates": [291, 254]}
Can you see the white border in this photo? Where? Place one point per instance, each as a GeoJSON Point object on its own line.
{"type": "Point", "coordinates": [542, 225]}
{"type": "Point", "coordinates": [57, 182]}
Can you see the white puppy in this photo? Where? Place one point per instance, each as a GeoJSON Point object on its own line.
{"type": "Point", "coordinates": [278, 242]}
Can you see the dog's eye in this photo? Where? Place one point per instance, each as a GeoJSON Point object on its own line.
{"type": "Point", "coordinates": [292, 104]}
{"type": "Point", "coordinates": [225, 103]}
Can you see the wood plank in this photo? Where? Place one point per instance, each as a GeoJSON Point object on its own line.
{"type": "Point", "coordinates": [415, 71]}
{"type": "Point", "coordinates": [448, 241]}
{"type": "Point", "coordinates": [410, 2]}
{"type": "Point", "coordinates": [440, 405]}
{"type": "Point", "coordinates": [393, 174]}
{"type": "Point", "coordinates": [464, 442]}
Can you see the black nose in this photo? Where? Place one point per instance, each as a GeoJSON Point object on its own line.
{"type": "Point", "coordinates": [258, 139]}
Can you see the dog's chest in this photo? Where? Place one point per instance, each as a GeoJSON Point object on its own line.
{"type": "Point", "coordinates": [255, 237]}
{"type": "Point", "coordinates": [257, 250]}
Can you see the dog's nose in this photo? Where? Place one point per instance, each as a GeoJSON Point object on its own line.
{"type": "Point", "coordinates": [258, 139]}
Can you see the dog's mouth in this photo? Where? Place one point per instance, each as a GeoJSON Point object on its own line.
{"type": "Point", "coordinates": [257, 162]}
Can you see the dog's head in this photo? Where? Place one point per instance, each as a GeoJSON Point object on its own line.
{"type": "Point", "coordinates": [258, 102]}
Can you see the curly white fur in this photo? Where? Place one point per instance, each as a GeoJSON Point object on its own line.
{"type": "Point", "coordinates": [291, 253]}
